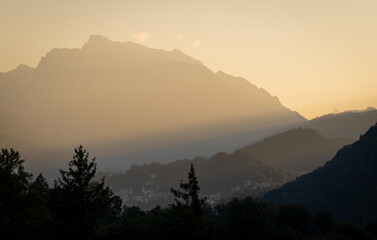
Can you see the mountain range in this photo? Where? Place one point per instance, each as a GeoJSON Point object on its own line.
{"type": "Point", "coordinates": [130, 104]}
{"type": "Point", "coordinates": [134, 104]}
{"type": "Point", "coordinates": [251, 170]}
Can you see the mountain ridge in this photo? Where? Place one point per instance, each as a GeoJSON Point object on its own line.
{"type": "Point", "coordinates": [221, 176]}
{"type": "Point", "coordinates": [346, 185]}
{"type": "Point", "coordinates": [298, 149]}
{"type": "Point", "coordinates": [111, 93]}
{"type": "Point", "coordinates": [349, 124]}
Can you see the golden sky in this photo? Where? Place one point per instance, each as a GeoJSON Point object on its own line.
{"type": "Point", "coordinates": [316, 56]}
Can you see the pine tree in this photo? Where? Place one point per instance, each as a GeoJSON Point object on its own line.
{"type": "Point", "coordinates": [189, 193]}
{"type": "Point", "coordinates": [40, 220]}
{"type": "Point", "coordinates": [81, 202]}
{"type": "Point", "coordinates": [14, 186]}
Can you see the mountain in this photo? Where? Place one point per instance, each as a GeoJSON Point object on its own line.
{"type": "Point", "coordinates": [10, 124]}
{"type": "Point", "coordinates": [136, 104]}
{"type": "Point", "coordinates": [19, 76]}
{"type": "Point", "coordinates": [346, 185]}
{"type": "Point", "coordinates": [349, 124]}
{"type": "Point", "coordinates": [38, 158]}
{"type": "Point", "coordinates": [13, 93]}
{"type": "Point", "coordinates": [220, 177]}
{"type": "Point", "coordinates": [368, 109]}
{"type": "Point", "coordinates": [300, 149]}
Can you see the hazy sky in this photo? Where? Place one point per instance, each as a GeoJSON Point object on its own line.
{"type": "Point", "coordinates": [316, 56]}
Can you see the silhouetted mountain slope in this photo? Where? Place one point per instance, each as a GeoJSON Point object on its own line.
{"type": "Point", "coordinates": [346, 185]}
{"type": "Point", "coordinates": [300, 149]}
{"type": "Point", "coordinates": [349, 124]}
{"type": "Point", "coordinates": [133, 100]}
{"type": "Point", "coordinates": [22, 74]}
{"type": "Point", "coordinates": [15, 89]}
{"type": "Point", "coordinates": [11, 125]}
{"type": "Point", "coordinates": [221, 176]}
{"type": "Point", "coordinates": [38, 158]}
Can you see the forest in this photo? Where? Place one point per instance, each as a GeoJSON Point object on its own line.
{"type": "Point", "coordinates": [78, 207]}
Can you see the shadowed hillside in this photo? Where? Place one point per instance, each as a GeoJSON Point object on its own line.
{"type": "Point", "coordinates": [221, 176]}
{"type": "Point", "coordinates": [300, 149]}
{"type": "Point", "coordinates": [349, 124]}
{"type": "Point", "coordinates": [346, 185]}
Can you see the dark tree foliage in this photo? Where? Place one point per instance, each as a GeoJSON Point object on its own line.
{"type": "Point", "coordinates": [296, 216]}
{"type": "Point", "coordinates": [14, 186]}
{"type": "Point", "coordinates": [80, 208]}
{"type": "Point", "coordinates": [189, 193]}
{"type": "Point", "coordinates": [323, 221]}
{"type": "Point", "coordinates": [348, 231]}
{"type": "Point", "coordinates": [372, 228]}
{"type": "Point", "coordinates": [41, 221]}
{"type": "Point", "coordinates": [188, 208]}
{"type": "Point", "coordinates": [248, 219]}
{"type": "Point", "coordinates": [14, 180]}
{"type": "Point", "coordinates": [80, 202]}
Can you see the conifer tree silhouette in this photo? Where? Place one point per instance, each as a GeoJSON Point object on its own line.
{"type": "Point", "coordinates": [82, 201]}
{"type": "Point", "coordinates": [189, 193]}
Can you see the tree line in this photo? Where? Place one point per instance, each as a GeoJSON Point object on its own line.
{"type": "Point", "coordinates": [78, 207]}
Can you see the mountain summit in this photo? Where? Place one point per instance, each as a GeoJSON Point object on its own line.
{"type": "Point", "coordinates": [133, 103]}
{"type": "Point", "coordinates": [96, 40]}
